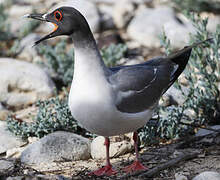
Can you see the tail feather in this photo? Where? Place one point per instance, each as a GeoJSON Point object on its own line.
{"type": "Point", "coordinates": [182, 57]}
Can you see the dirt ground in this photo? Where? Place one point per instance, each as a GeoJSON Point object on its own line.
{"type": "Point", "coordinates": [187, 157]}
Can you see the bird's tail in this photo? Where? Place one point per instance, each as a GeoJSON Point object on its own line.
{"type": "Point", "coordinates": [181, 58]}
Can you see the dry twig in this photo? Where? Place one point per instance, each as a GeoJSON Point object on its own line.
{"type": "Point", "coordinates": [152, 172]}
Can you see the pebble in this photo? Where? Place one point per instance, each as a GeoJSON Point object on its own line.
{"type": "Point", "coordinates": [8, 140]}
{"type": "Point", "coordinates": [57, 146]}
{"type": "Point", "coordinates": [98, 149]}
{"type": "Point", "coordinates": [207, 175]}
{"type": "Point", "coordinates": [23, 83]}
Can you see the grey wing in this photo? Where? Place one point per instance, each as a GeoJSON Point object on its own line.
{"type": "Point", "coordinates": [139, 87]}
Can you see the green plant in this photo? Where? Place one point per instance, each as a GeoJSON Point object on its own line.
{"type": "Point", "coordinates": [202, 97]}
{"type": "Point", "coordinates": [10, 44]}
{"type": "Point", "coordinates": [62, 62]}
{"type": "Point", "coordinates": [27, 28]}
{"type": "Point", "coordinates": [113, 53]}
{"type": "Point", "coordinates": [53, 115]}
{"type": "Point", "coordinates": [198, 5]}
{"type": "Point", "coordinates": [59, 61]}
{"type": "Point", "coordinates": [5, 33]}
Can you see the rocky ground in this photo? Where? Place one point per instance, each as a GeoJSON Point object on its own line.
{"type": "Point", "coordinates": [65, 155]}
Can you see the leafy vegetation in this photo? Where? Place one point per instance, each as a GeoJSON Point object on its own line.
{"type": "Point", "coordinates": [202, 97]}
{"type": "Point", "coordinates": [198, 5]}
{"type": "Point", "coordinates": [61, 62]}
{"type": "Point", "coordinates": [4, 26]}
{"type": "Point", "coordinates": [53, 115]}
{"type": "Point", "coordinates": [113, 53]}
{"type": "Point", "coordinates": [10, 44]}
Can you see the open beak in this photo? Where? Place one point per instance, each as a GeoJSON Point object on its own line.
{"type": "Point", "coordinates": [43, 17]}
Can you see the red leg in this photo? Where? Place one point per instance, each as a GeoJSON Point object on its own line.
{"type": "Point", "coordinates": [107, 169]}
{"type": "Point", "coordinates": [136, 165]}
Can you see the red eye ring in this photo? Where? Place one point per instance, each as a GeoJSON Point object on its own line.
{"type": "Point", "coordinates": [58, 15]}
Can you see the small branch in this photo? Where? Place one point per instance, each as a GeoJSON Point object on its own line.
{"type": "Point", "coordinates": [198, 126]}
{"type": "Point", "coordinates": [193, 139]}
{"type": "Point", "coordinates": [152, 172]}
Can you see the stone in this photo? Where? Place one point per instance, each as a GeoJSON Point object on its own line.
{"type": "Point", "coordinates": [109, 2]}
{"type": "Point", "coordinates": [203, 132]}
{"type": "Point", "coordinates": [106, 19]}
{"type": "Point", "coordinates": [113, 2]}
{"type": "Point", "coordinates": [17, 11]}
{"type": "Point", "coordinates": [27, 51]}
{"type": "Point", "coordinates": [175, 96]}
{"type": "Point", "coordinates": [27, 114]}
{"type": "Point", "coordinates": [14, 25]}
{"type": "Point", "coordinates": [32, 139]}
{"type": "Point", "coordinates": [142, 1]}
{"type": "Point", "coordinates": [14, 152]}
{"type": "Point", "coordinates": [148, 24]}
{"type": "Point", "coordinates": [3, 112]}
{"type": "Point", "coordinates": [23, 83]}
{"type": "Point", "coordinates": [6, 166]}
{"type": "Point", "coordinates": [98, 150]}
{"type": "Point", "coordinates": [207, 175]}
{"type": "Point", "coordinates": [179, 176]}
{"type": "Point", "coordinates": [57, 146]}
{"type": "Point", "coordinates": [7, 139]}
{"type": "Point", "coordinates": [213, 22]}
{"type": "Point", "coordinates": [16, 178]}
{"type": "Point", "coordinates": [123, 12]}
{"type": "Point", "coordinates": [88, 9]}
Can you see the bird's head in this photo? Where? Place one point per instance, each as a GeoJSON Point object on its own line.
{"type": "Point", "coordinates": [66, 20]}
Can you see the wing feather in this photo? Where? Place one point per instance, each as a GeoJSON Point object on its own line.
{"type": "Point", "coordinates": [139, 87]}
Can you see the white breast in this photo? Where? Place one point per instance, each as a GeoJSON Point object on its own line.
{"type": "Point", "coordinates": [91, 101]}
{"type": "Point", "coordinates": [94, 109]}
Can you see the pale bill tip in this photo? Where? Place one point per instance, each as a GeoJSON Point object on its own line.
{"type": "Point", "coordinates": [44, 16]}
{"type": "Point", "coordinates": [26, 16]}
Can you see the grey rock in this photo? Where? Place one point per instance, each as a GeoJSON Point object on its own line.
{"type": "Point", "coordinates": [175, 96]}
{"type": "Point", "coordinates": [180, 176]}
{"type": "Point", "coordinates": [14, 152]}
{"type": "Point", "coordinates": [141, 1]}
{"type": "Point", "coordinates": [52, 177]}
{"type": "Point", "coordinates": [107, 21]}
{"type": "Point", "coordinates": [18, 11]}
{"type": "Point", "coordinates": [7, 139]}
{"type": "Point", "coordinates": [27, 51]}
{"type": "Point", "coordinates": [203, 132]}
{"type": "Point", "coordinates": [213, 22]}
{"type": "Point", "coordinates": [207, 175]}
{"type": "Point", "coordinates": [57, 146]}
{"type": "Point", "coordinates": [16, 178]}
{"type": "Point", "coordinates": [23, 83]}
{"type": "Point", "coordinates": [123, 12]}
{"type": "Point", "coordinates": [98, 149]}
{"type": "Point", "coordinates": [14, 25]}
{"type": "Point", "coordinates": [6, 166]}
{"type": "Point", "coordinates": [87, 8]}
{"type": "Point", "coordinates": [113, 2]}
{"type": "Point", "coordinates": [109, 2]}
{"type": "Point", "coordinates": [3, 112]}
{"type": "Point", "coordinates": [1, 107]}
{"type": "Point", "coordinates": [148, 24]}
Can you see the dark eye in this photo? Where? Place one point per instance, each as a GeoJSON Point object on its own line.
{"type": "Point", "coordinates": [58, 16]}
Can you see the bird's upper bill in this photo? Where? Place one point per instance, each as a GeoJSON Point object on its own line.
{"type": "Point", "coordinates": [47, 17]}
